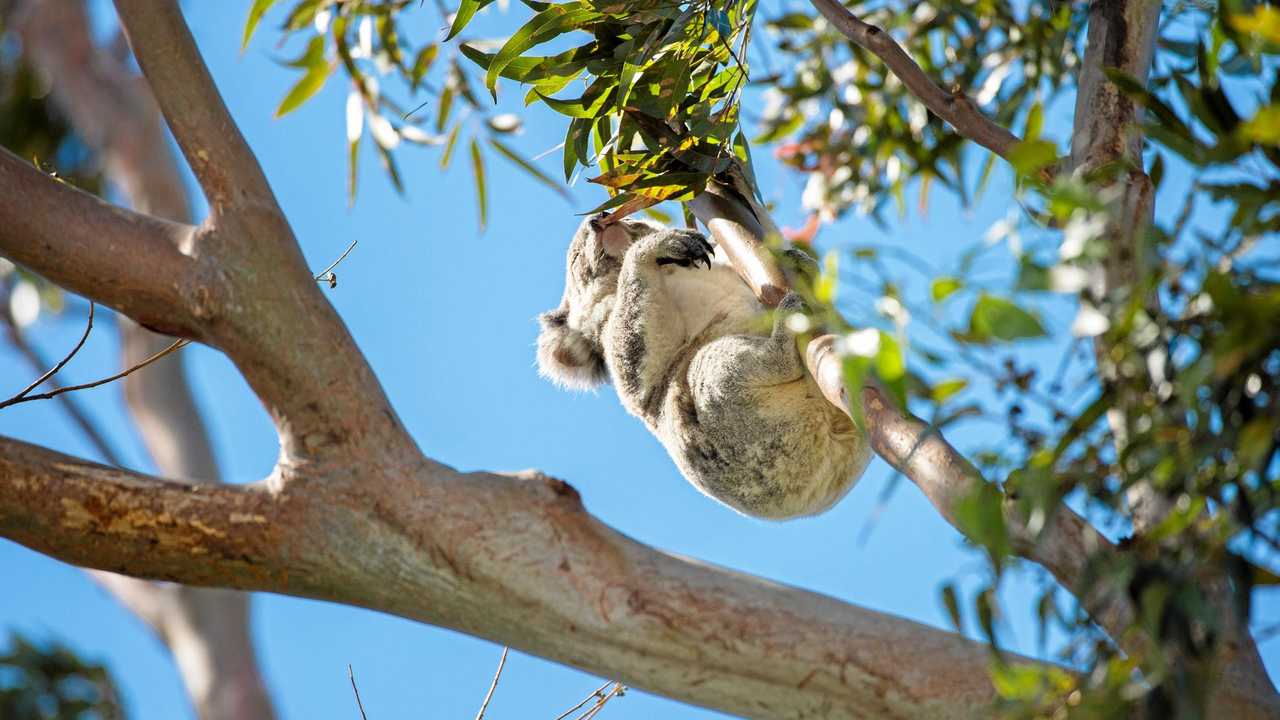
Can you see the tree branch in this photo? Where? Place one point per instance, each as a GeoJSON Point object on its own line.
{"type": "Point", "coordinates": [81, 243]}
{"type": "Point", "coordinates": [225, 167]}
{"type": "Point", "coordinates": [952, 106]}
{"type": "Point", "coordinates": [920, 452]}
{"type": "Point", "coordinates": [438, 549]}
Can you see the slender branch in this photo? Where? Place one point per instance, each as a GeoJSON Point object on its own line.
{"type": "Point", "coordinates": [79, 242]}
{"type": "Point", "coordinates": [53, 370]}
{"type": "Point", "coordinates": [920, 452]}
{"type": "Point", "coordinates": [174, 346]}
{"type": "Point", "coordinates": [351, 674]}
{"type": "Point", "coordinates": [225, 167]}
{"type": "Point", "coordinates": [952, 106]}
{"type": "Point", "coordinates": [599, 693]}
{"type": "Point", "coordinates": [493, 686]}
{"type": "Point", "coordinates": [79, 416]}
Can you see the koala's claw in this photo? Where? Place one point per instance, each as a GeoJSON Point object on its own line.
{"type": "Point", "coordinates": [687, 249]}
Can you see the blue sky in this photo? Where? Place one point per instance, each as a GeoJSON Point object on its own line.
{"type": "Point", "coordinates": [446, 316]}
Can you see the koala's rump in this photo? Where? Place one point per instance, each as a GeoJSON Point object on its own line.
{"type": "Point", "coordinates": [776, 452]}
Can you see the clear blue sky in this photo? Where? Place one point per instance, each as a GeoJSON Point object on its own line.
{"type": "Point", "coordinates": [447, 318]}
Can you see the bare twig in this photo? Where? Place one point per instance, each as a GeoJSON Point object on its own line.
{"type": "Point", "coordinates": [22, 396]}
{"type": "Point", "coordinates": [616, 691]}
{"type": "Point", "coordinates": [953, 106]}
{"type": "Point", "coordinates": [599, 692]}
{"type": "Point", "coordinates": [327, 274]}
{"type": "Point", "coordinates": [352, 676]}
{"type": "Point", "coordinates": [177, 344]}
{"type": "Point", "coordinates": [73, 409]}
{"type": "Point", "coordinates": [502, 661]}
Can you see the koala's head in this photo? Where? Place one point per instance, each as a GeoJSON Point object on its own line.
{"type": "Point", "coordinates": [569, 350]}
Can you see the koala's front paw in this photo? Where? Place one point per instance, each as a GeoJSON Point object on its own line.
{"type": "Point", "coordinates": [685, 248]}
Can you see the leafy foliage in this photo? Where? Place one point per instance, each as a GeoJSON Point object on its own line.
{"type": "Point", "coordinates": [50, 682]}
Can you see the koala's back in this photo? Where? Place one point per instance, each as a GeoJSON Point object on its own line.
{"type": "Point", "coordinates": [771, 449]}
{"type": "Point", "coordinates": [777, 452]}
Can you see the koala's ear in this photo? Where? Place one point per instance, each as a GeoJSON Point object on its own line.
{"type": "Point", "coordinates": [566, 356]}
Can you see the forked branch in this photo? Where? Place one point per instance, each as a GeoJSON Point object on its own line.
{"type": "Point", "coordinates": [953, 106]}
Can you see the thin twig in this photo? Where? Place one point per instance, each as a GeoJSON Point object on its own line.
{"type": "Point", "coordinates": [327, 275]}
{"type": "Point", "coordinates": [493, 685]}
{"type": "Point", "coordinates": [352, 675]}
{"type": "Point", "coordinates": [79, 416]}
{"type": "Point", "coordinates": [599, 692]}
{"type": "Point", "coordinates": [22, 396]}
{"type": "Point", "coordinates": [177, 344]}
{"type": "Point", "coordinates": [615, 691]}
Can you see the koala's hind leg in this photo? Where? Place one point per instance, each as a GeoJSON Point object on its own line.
{"type": "Point", "coordinates": [739, 362]}
{"type": "Point", "coordinates": [646, 329]}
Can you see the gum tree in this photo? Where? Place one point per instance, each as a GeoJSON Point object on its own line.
{"type": "Point", "coordinates": [1167, 439]}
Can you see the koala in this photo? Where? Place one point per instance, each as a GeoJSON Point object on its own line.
{"type": "Point", "coordinates": [684, 343]}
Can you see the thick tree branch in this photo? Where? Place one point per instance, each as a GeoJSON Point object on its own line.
{"type": "Point", "coordinates": [953, 106]}
{"type": "Point", "coordinates": [438, 548]}
{"type": "Point", "coordinates": [225, 167]}
{"type": "Point", "coordinates": [130, 262]}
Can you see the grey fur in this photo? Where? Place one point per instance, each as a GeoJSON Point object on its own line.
{"type": "Point", "coordinates": [687, 353]}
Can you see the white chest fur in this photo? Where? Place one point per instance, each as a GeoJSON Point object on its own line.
{"type": "Point", "coordinates": [705, 296]}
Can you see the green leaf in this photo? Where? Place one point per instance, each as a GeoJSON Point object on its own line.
{"type": "Point", "coordinates": [891, 368]}
{"type": "Point", "coordinates": [466, 10]}
{"type": "Point", "coordinates": [951, 602]}
{"type": "Point", "coordinates": [1001, 319]}
{"type": "Point", "coordinates": [579, 133]}
{"type": "Point", "coordinates": [1264, 126]}
{"type": "Point", "coordinates": [942, 288]}
{"type": "Point", "coordinates": [256, 11]}
{"type": "Point", "coordinates": [477, 167]}
{"type": "Point", "coordinates": [589, 105]}
{"type": "Point", "coordinates": [980, 517]}
{"type": "Point", "coordinates": [422, 63]}
{"type": "Point", "coordinates": [528, 167]}
{"type": "Point", "coordinates": [447, 154]}
{"type": "Point", "coordinates": [308, 86]}
{"type": "Point", "coordinates": [353, 157]}
{"type": "Point", "coordinates": [389, 164]}
{"type": "Point", "coordinates": [1029, 156]}
{"type": "Point", "coordinates": [546, 25]}
{"type": "Point", "coordinates": [1035, 121]}
{"type": "Point", "coordinates": [947, 389]}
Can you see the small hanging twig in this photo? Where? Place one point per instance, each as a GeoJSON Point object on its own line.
{"type": "Point", "coordinates": [494, 685]}
{"type": "Point", "coordinates": [352, 675]}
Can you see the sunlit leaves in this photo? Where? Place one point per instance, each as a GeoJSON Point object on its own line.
{"type": "Point", "coordinates": [317, 72]}
{"type": "Point", "coordinates": [256, 11]}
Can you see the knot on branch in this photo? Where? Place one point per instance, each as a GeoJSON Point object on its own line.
{"type": "Point", "coordinates": [561, 491]}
